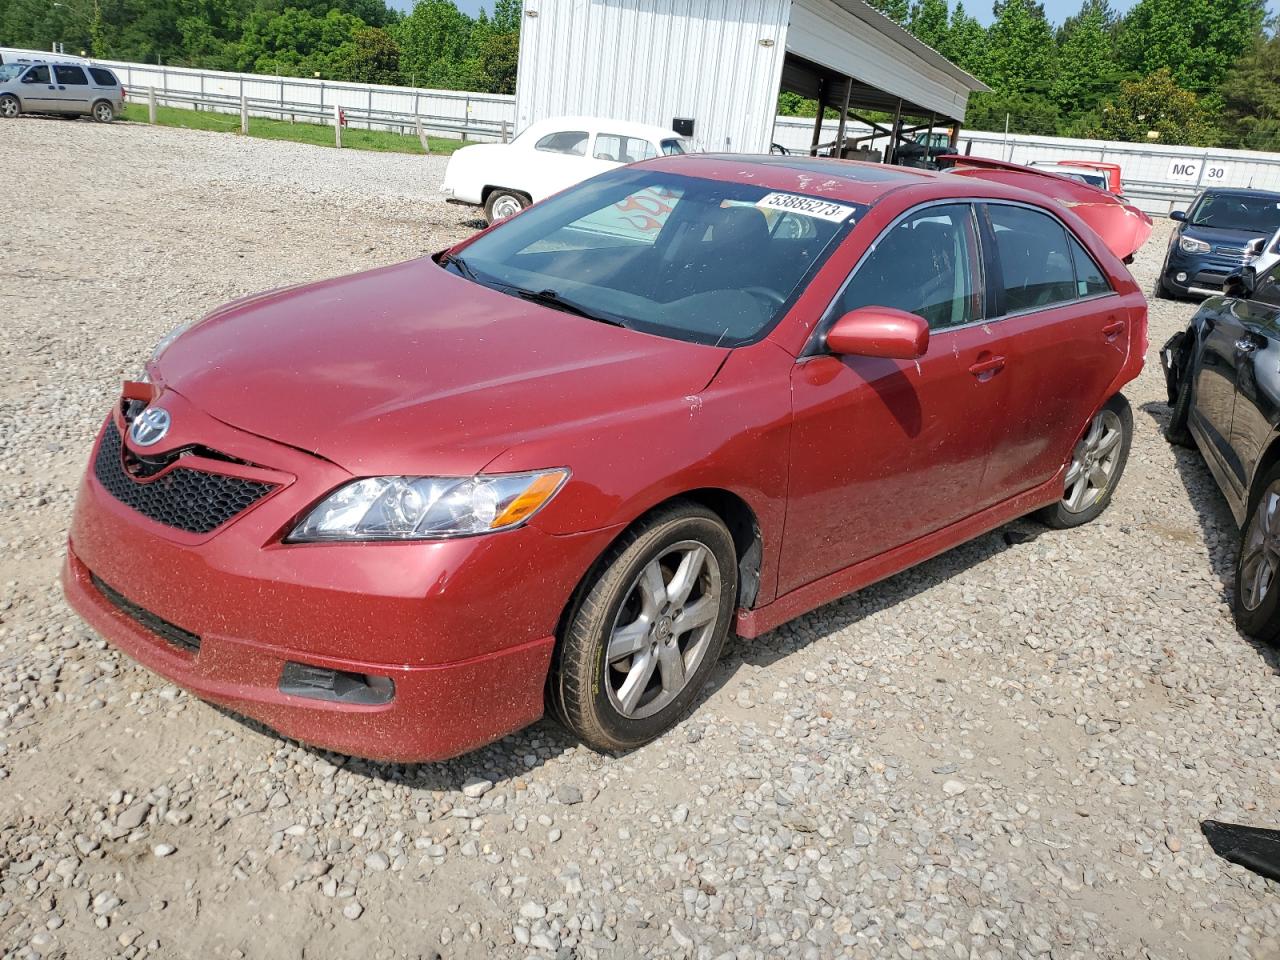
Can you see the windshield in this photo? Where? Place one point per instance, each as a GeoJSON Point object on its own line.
{"type": "Point", "coordinates": [700, 260]}
{"type": "Point", "coordinates": [1259, 213]}
{"type": "Point", "coordinates": [10, 70]}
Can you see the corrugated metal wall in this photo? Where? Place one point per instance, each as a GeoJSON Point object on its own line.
{"type": "Point", "coordinates": [653, 60]}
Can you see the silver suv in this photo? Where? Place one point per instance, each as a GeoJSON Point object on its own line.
{"type": "Point", "coordinates": [78, 88]}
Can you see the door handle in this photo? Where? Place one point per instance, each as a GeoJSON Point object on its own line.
{"type": "Point", "coordinates": [986, 369]}
{"type": "Point", "coordinates": [62, 88]}
{"type": "Point", "coordinates": [1113, 329]}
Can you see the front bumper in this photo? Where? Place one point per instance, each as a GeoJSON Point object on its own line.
{"type": "Point", "coordinates": [1203, 274]}
{"type": "Point", "coordinates": [464, 628]}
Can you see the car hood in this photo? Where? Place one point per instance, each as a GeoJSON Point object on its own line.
{"type": "Point", "coordinates": [1223, 236]}
{"type": "Point", "coordinates": [412, 369]}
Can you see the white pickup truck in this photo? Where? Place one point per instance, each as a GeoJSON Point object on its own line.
{"type": "Point", "coordinates": [546, 157]}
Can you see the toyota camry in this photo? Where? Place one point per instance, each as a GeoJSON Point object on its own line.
{"type": "Point", "coordinates": [400, 514]}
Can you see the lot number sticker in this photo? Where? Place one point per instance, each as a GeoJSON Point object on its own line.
{"type": "Point", "coordinates": [806, 206]}
{"type": "Point", "coordinates": [1188, 171]}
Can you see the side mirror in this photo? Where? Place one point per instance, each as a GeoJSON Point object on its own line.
{"type": "Point", "coordinates": [1241, 284]}
{"type": "Point", "coordinates": [879, 332]}
{"type": "Point", "coordinates": [1179, 215]}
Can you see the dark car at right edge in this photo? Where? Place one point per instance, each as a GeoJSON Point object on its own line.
{"type": "Point", "coordinates": [1221, 233]}
{"type": "Point", "coordinates": [1223, 378]}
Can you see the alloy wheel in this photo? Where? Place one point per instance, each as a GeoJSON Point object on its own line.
{"type": "Point", "coordinates": [8, 107]}
{"type": "Point", "coordinates": [663, 629]}
{"type": "Point", "coordinates": [1260, 554]}
{"type": "Point", "coordinates": [103, 113]}
{"type": "Point", "coordinates": [1093, 462]}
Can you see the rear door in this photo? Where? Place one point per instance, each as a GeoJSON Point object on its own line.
{"type": "Point", "coordinates": [1066, 334]}
{"type": "Point", "coordinates": [72, 88]}
{"type": "Point", "coordinates": [886, 451]}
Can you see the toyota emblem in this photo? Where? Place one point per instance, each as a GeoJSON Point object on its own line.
{"type": "Point", "coordinates": [150, 426]}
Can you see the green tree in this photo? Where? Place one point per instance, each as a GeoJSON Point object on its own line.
{"type": "Point", "coordinates": [434, 41]}
{"type": "Point", "coordinates": [1196, 40]}
{"type": "Point", "coordinates": [1020, 49]}
{"type": "Point", "coordinates": [1027, 113]}
{"type": "Point", "coordinates": [1086, 68]}
{"type": "Point", "coordinates": [371, 57]}
{"type": "Point", "coordinates": [930, 22]}
{"type": "Point", "coordinates": [1251, 94]}
{"type": "Point", "coordinates": [1155, 108]}
{"type": "Point", "coordinates": [297, 43]}
{"type": "Point", "coordinates": [966, 43]}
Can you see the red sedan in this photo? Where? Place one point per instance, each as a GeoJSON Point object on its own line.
{"type": "Point", "coordinates": [398, 514]}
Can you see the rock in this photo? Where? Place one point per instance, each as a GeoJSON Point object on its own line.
{"type": "Point", "coordinates": [353, 910]}
{"type": "Point", "coordinates": [532, 911]}
{"type": "Point", "coordinates": [134, 816]}
{"type": "Point", "coordinates": [476, 787]}
{"type": "Point", "coordinates": [953, 788]}
{"type": "Point", "coordinates": [377, 861]}
{"type": "Point", "coordinates": [568, 794]}
{"type": "Point", "coordinates": [163, 849]}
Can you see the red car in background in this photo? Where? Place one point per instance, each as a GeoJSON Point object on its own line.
{"type": "Point", "coordinates": [398, 513]}
{"type": "Point", "coordinates": [1110, 170]}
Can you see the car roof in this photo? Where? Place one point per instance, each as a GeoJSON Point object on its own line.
{"type": "Point", "coordinates": [1243, 192]}
{"type": "Point", "coordinates": [851, 181]}
{"type": "Point", "coordinates": [627, 128]}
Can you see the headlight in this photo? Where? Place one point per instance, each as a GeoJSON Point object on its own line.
{"type": "Point", "coordinates": [1189, 245]}
{"type": "Point", "coordinates": [425, 508]}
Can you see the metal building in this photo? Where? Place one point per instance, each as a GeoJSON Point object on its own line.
{"type": "Point", "coordinates": [719, 64]}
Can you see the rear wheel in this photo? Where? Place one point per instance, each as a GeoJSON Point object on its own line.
{"type": "Point", "coordinates": [103, 112]}
{"type": "Point", "coordinates": [1095, 468]}
{"type": "Point", "coordinates": [9, 106]}
{"type": "Point", "coordinates": [1177, 432]}
{"type": "Point", "coordinates": [501, 204]}
{"type": "Point", "coordinates": [1256, 604]}
{"type": "Point", "coordinates": [646, 635]}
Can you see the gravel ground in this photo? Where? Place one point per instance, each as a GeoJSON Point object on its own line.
{"type": "Point", "coordinates": [1005, 752]}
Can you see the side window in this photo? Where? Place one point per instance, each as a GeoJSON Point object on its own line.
{"type": "Point", "coordinates": [1268, 287]}
{"type": "Point", "coordinates": [37, 75]}
{"type": "Point", "coordinates": [103, 78]}
{"type": "Point", "coordinates": [572, 142]}
{"type": "Point", "coordinates": [926, 264]}
{"type": "Point", "coordinates": [71, 76]}
{"type": "Point", "coordinates": [1090, 280]}
{"type": "Point", "coordinates": [1034, 258]}
{"type": "Point", "coordinates": [672, 148]}
{"type": "Point", "coordinates": [620, 149]}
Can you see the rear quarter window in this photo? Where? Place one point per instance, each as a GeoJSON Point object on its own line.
{"type": "Point", "coordinates": [103, 78]}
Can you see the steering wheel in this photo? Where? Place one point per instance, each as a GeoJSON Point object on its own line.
{"type": "Point", "coordinates": [770, 296]}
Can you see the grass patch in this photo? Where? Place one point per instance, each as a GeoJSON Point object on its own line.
{"type": "Point", "coordinates": [268, 129]}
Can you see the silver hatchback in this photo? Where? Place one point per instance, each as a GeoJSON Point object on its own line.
{"type": "Point", "coordinates": [77, 88]}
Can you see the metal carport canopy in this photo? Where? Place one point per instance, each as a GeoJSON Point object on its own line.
{"type": "Point", "coordinates": [887, 64]}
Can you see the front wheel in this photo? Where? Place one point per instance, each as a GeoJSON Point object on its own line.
{"type": "Point", "coordinates": [9, 106]}
{"type": "Point", "coordinates": [1095, 468]}
{"type": "Point", "coordinates": [103, 112]}
{"type": "Point", "coordinates": [646, 635]}
{"type": "Point", "coordinates": [501, 204]}
{"type": "Point", "coordinates": [1256, 604]}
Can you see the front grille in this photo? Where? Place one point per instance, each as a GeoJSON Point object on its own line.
{"type": "Point", "coordinates": [1231, 253]}
{"type": "Point", "coordinates": [191, 500]}
{"type": "Point", "coordinates": [166, 631]}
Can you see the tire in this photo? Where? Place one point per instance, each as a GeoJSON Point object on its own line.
{"type": "Point", "coordinates": [103, 112]}
{"type": "Point", "coordinates": [1159, 291]}
{"type": "Point", "coordinates": [1098, 460]}
{"type": "Point", "coordinates": [1256, 603]}
{"type": "Point", "coordinates": [1176, 431]}
{"type": "Point", "coordinates": [616, 700]}
{"type": "Point", "coordinates": [9, 106]}
{"type": "Point", "coordinates": [502, 203]}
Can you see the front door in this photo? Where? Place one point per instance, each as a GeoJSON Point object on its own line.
{"type": "Point", "coordinates": [37, 92]}
{"type": "Point", "coordinates": [1255, 411]}
{"type": "Point", "coordinates": [1215, 384]}
{"type": "Point", "coordinates": [886, 451]}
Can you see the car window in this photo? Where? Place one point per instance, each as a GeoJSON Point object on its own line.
{"type": "Point", "coordinates": [103, 78]}
{"type": "Point", "coordinates": [1267, 289]}
{"type": "Point", "coordinates": [71, 76]}
{"type": "Point", "coordinates": [926, 264]}
{"type": "Point", "coordinates": [620, 149]}
{"type": "Point", "coordinates": [685, 257]}
{"type": "Point", "coordinates": [672, 147]}
{"type": "Point", "coordinates": [1090, 280]}
{"type": "Point", "coordinates": [1035, 261]}
{"type": "Point", "coordinates": [37, 75]}
{"type": "Point", "coordinates": [1237, 211]}
{"type": "Point", "coordinates": [572, 142]}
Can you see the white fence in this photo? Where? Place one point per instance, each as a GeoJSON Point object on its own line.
{"type": "Point", "coordinates": [452, 113]}
{"type": "Point", "coordinates": [1157, 177]}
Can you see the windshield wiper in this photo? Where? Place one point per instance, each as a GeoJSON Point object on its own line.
{"type": "Point", "coordinates": [464, 268]}
{"type": "Point", "coordinates": [551, 298]}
